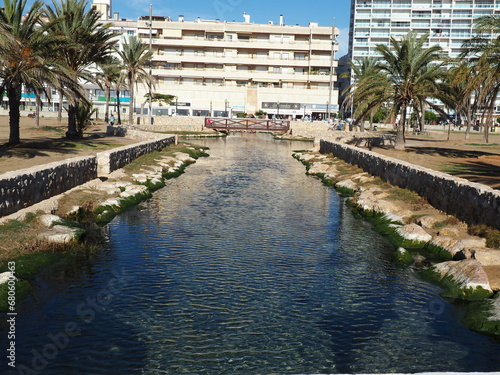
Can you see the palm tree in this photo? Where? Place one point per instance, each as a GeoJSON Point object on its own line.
{"type": "Point", "coordinates": [135, 56]}
{"type": "Point", "coordinates": [91, 42]}
{"type": "Point", "coordinates": [458, 91]}
{"type": "Point", "coordinates": [27, 57]}
{"type": "Point", "coordinates": [110, 70]}
{"type": "Point", "coordinates": [413, 74]}
{"type": "Point", "coordinates": [364, 69]}
{"type": "Point", "coordinates": [484, 54]}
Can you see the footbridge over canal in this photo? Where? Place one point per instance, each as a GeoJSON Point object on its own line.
{"type": "Point", "coordinates": [248, 124]}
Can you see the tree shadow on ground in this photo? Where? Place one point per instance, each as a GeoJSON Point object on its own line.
{"type": "Point", "coordinates": [32, 148]}
{"type": "Point", "coordinates": [444, 152]}
{"type": "Point", "coordinates": [477, 171]}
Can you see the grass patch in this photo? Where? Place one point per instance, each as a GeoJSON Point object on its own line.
{"type": "Point", "coordinates": [450, 221]}
{"type": "Point", "coordinates": [23, 289]}
{"type": "Point", "coordinates": [451, 289]}
{"type": "Point", "coordinates": [59, 130]}
{"type": "Point", "coordinates": [12, 227]}
{"type": "Point", "coordinates": [396, 193]}
{"type": "Point", "coordinates": [491, 235]}
{"type": "Point", "coordinates": [436, 253]}
{"type": "Point", "coordinates": [402, 257]}
{"type": "Point", "coordinates": [345, 192]}
{"type": "Point", "coordinates": [151, 158]}
{"type": "Point", "coordinates": [105, 213]}
{"type": "Point", "coordinates": [29, 265]}
{"type": "Point", "coordinates": [478, 317]}
{"type": "Point", "coordinates": [458, 169]}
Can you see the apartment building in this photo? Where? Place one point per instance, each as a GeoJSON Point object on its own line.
{"type": "Point", "coordinates": [222, 68]}
{"type": "Point", "coordinates": [449, 23]}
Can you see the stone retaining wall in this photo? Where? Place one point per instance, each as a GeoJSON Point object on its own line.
{"type": "Point", "coordinates": [109, 161]}
{"type": "Point", "coordinates": [468, 201]}
{"type": "Point", "coordinates": [25, 187]}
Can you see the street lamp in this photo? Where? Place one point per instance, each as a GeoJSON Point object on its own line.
{"type": "Point", "coordinates": [278, 107]}
{"type": "Point", "coordinates": [332, 59]}
{"type": "Point", "coordinates": [150, 63]}
{"type": "Point", "coordinates": [226, 106]}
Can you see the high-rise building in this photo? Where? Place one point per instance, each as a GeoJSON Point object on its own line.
{"type": "Point", "coordinates": [449, 23]}
{"type": "Point", "coordinates": [222, 68]}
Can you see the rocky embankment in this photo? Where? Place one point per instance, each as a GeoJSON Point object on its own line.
{"type": "Point", "coordinates": [436, 245]}
{"type": "Point", "coordinates": [60, 220]}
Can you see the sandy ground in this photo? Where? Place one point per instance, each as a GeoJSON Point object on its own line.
{"type": "Point", "coordinates": [46, 143]}
{"type": "Point", "coordinates": [471, 159]}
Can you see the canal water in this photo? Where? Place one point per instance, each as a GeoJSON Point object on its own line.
{"type": "Point", "coordinates": [244, 265]}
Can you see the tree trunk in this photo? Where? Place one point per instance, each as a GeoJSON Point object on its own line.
{"type": "Point", "coordinates": [59, 110]}
{"type": "Point", "coordinates": [489, 118]}
{"type": "Point", "coordinates": [422, 116]}
{"type": "Point", "coordinates": [118, 108]}
{"type": "Point", "coordinates": [469, 119]}
{"type": "Point", "coordinates": [14, 93]}
{"type": "Point", "coordinates": [400, 131]}
{"type": "Point", "coordinates": [131, 104]}
{"type": "Point", "coordinates": [72, 132]}
{"type": "Point", "coordinates": [106, 108]}
{"type": "Point", "coordinates": [37, 111]}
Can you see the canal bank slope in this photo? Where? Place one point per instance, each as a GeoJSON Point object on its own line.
{"type": "Point", "coordinates": [435, 244]}
{"type": "Point", "coordinates": [67, 225]}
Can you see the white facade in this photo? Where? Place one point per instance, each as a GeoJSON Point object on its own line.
{"type": "Point", "coordinates": [449, 23]}
{"type": "Point", "coordinates": [221, 68]}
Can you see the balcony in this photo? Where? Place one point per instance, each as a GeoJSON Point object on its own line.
{"type": "Point", "coordinates": [236, 44]}
{"type": "Point", "coordinates": [239, 60]}
{"type": "Point", "coordinates": [241, 75]}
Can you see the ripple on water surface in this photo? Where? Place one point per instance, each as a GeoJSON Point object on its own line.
{"type": "Point", "coordinates": [245, 265]}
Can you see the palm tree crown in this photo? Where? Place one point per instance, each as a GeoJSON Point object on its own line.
{"type": "Point", "coordinates": [135, 56]}
{"type": "Point", "coordinates": [89, 43]}
{"type": "Point", "coordinates": [406, 75]}
{"type": "Point", "coordinates": [28, 57]}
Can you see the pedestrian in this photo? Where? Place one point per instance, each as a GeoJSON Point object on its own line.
{"type": "Point", "coordinates": [112, 120]}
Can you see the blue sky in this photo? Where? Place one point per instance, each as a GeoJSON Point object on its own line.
{"type": "Point", "coordinates": [326, 13]}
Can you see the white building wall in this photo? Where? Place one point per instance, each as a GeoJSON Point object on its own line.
{"type": "Point", "coordinates": [237, 66]}
{"type": "Point", "coordinates": [449, 23]}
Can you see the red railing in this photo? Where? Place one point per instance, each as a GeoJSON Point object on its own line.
{"type": "Point", "coordinates": [251, 124]}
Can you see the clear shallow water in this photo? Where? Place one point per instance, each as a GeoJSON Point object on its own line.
{"type": "Point", "coordinates": [244, 265]}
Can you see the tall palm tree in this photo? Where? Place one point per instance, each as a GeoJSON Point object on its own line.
{"type": "Point", "coordinates": [27, 57]}
{"type": "Point", "coordinates": [364, 69]}
{"type": "Point", "coordinates": [413, 72]}
{"type": "Point", "coordinates": [459, 91]}
{"type": "Point", "coordinates": [135, 56]}
{"type": "Point", "coordinates": [107, 77]}
{"type": "Point", "coordinates": [90, 43]}
{"type": "Point", "coordinates": [484, 53]}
